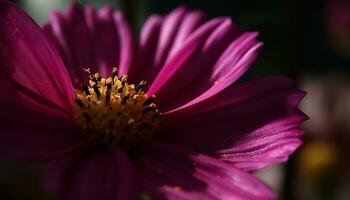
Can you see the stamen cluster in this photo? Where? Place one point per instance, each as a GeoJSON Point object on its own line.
{"type": "Point", "coordinates": [112, 111]}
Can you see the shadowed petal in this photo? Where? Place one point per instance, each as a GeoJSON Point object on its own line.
{"type": "Point", "coordinates": [147, 44]}
{"type": "Point", "coordinates": [33, 128]}
{"type": "Point", "coordinates": [126, 43]}
{"type": "Point", "coordinates": [103, 174]}
{"type": "Point", "coordinates": [170, 172]}
{"type": "Point", "coordinates": [29, 58]}
{"type": "Point", "coordinates": [30, 135]}
{"type": "Point", "coordinates": [252, 125]}
{"type": "Point", "coordinates": [98, 40]}
{"type": "Point", "coordinates": [19, 96]}
{"type": "Point", "coordinates": [36, 144]}
{"type": "Point", "coordinates": [236, 94]}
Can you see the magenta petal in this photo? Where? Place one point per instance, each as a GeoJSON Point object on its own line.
{"type": "Point", "coordinates": [191, 44]}
{"type": "Point", "coordinates": [104, 174]}
{"type": "Point", "coordinates": [190, 22]}
{"type": "Point", "coordinates": [170, 172]}
{"type": "Point", "coordinates": [231, 65]}
{"type": "Point", "coordinates": [250, 125]}
{"type": "Point", "coordinates": [29, 58]}
{"type": "Point", "coordinates": [191, 77]}
{"type": "Point", "coordinates": [161, 32]}
{"type": "Point", "coordinates": [160, 39]}
{"type": "Point", "coordinates": [211, 58]}
{"type": "Point", "coordinates": [98, 40]}
{"type": "Point", "coordinates": [236, 94]}
{"type": "Point", "coordinates": [168, 33]}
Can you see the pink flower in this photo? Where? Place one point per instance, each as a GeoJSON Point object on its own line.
{"type": "Point", "coordinates": [197, 138]}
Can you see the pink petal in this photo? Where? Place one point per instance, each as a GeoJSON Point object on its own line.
{"type": "Point", "coordinates": [160, 38]}
{"type": "Point", "coordinates": [98, 40]}
{"type": "Point", "coordinates": [252, 125]}
{"type": "Point", "coordinates": [191, 21]}
{"type": "Point", "coordinates": [29, 58]}
{"type": "Point", "coordinates": [167, 35]}
{"type": "Point", "coordinates": [182, 84]}
{"type": "Point", "coordinates": [189, 47]}
{"type": "Point", "coordinates": [204, 60]}
{"type": "Point", "coordinates": [237, 93]}
{"type": "Point", "coordinates": [170, 172]}
{"type": "Point", "coordinates": [231, 65]}
{"type": "Point", "coordinates": [103, 174]}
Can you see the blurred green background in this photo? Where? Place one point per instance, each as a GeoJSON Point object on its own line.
{"type": "Point", "coordinates": [306, 40]}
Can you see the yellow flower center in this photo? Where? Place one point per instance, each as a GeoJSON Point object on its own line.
{"type": "Point", "coordinates": [112, 111]}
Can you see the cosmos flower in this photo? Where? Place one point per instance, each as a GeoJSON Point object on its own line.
{"type": "Point", "coordinates": [150, 118]}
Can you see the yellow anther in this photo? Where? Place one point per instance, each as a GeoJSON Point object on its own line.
{"type": "Point", "coordinates": [110, 110]}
